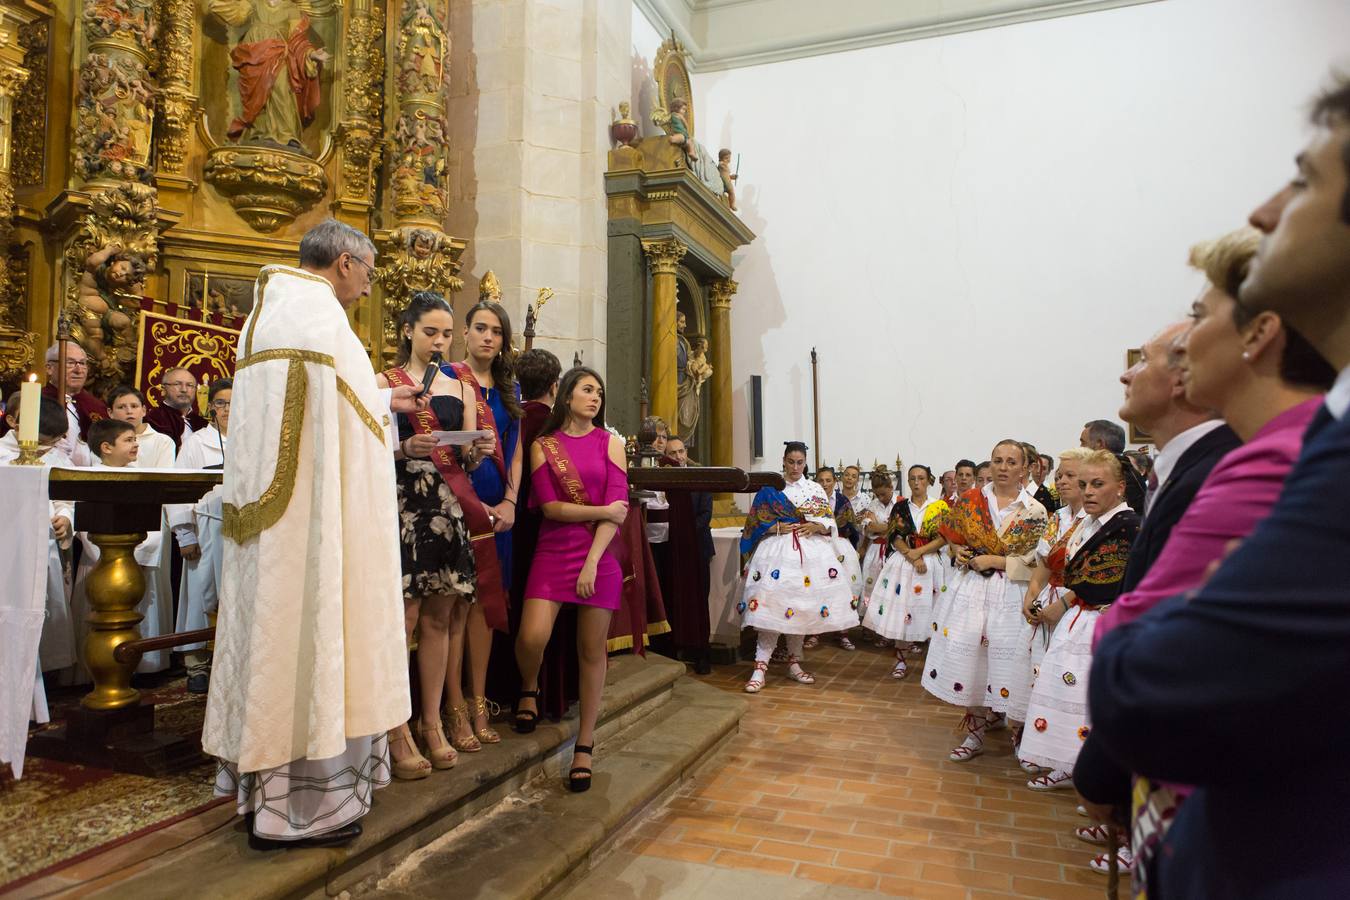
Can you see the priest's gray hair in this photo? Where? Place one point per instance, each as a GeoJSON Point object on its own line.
{"type": "Point", "coordinates": [325, 242]}
{"type": "Point", "coordinates": [54, 351]}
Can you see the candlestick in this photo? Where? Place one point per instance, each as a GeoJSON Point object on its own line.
{"type": "Point", "coordinates": [30, 405]}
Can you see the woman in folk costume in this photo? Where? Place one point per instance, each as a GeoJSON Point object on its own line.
{"type": "Point", "coordinates": [1097, 552]}
{"type": "Point", "coordinates": [1052, 554]}
{"type": "Point", "coordinates": [196, 527]}
{"type": "Point", "coordinates": [978, 658]}
{"type": "Point", "coordinates": [156, 451]}
{"type": "Point", "coordinates": [901, 604]}
{"type": "Point", "coordinates": [488, 373]}
{"type": "Point", "coordinates": [847, 530]}
{"type": "Point", "coordinates": [875, 523]}
{"type": "Point", "coordinates": [796, 581]}
{"type": "Point", "coordinates": [579, 480]}
{"type": "Point", "coordinates": [436, 505]}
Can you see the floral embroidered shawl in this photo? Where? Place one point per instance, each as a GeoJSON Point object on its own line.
{"type": "Point", "coordinates": [969, 523]}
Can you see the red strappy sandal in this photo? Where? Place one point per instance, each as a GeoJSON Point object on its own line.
{"type": "Point", "coordinates": [755, 685]}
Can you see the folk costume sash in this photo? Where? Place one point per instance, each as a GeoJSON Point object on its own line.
{"type": "Point", "coordinates": [770, 507]}
{"type": "Point", "coordinates": [901, 525]}
{"type": "Point", "coordinates": [1096, 571]}
{"type": "Point", "coordinates": [481, 536]}
{"type": "Point", "coordinates": [1058, 556]}
{"type": "Point", "coordinates": [565, 472]}
{"type": "Point", "coordinates": [485, 416]}
{"type": "Point", "coordinates": [970, 523]}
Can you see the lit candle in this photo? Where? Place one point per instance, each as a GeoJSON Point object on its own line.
{"type": "Point", "coordinates": [30, 403]}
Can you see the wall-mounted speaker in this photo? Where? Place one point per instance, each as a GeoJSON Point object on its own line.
{"type": "Point", "coordinates": [757, 416]}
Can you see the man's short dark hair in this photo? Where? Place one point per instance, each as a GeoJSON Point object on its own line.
{"type": "Point", "coordinates": [984, 465]}
{"type": "Point", "coordinates": [1330, 109]}
{"type": "Point", "coordinates": [1049, 462]}
{"type": "Point", "coordinates": [1109, 433]}
{"type": "Point", "coordinates": [537, 371]}
{"type": "Point", "coordinates": [107, 431]}
{"type": "Point", "coordinates": [965, 464]}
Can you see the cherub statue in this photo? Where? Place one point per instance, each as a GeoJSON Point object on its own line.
{"type": "Point", "coordinates": [677, 128]}
{"type": "Point", "coordinates": [728, 177]}
{"type": "Point", "coordinates": [113, 278]}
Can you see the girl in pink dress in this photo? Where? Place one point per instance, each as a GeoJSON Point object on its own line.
{"type": "Point", "coordinates": [579, 479]}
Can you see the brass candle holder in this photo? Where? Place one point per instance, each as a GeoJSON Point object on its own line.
{"type": "Point", "coordinates": [30, 454]}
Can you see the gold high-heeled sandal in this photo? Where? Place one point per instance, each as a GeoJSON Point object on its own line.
{"type": "Point", "coordinates": [416, 766]}
{"type": "Point", "coordinates": [459, 716]}
{"type": "Point", "coordinates": [487, 734]}
{"type": "Point", "coordinates": [442, 756]}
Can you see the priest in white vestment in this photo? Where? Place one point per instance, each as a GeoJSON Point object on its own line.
{"type": "Point", "coordinates": [310, 666]}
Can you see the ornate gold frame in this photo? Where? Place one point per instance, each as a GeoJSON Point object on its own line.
{"type": "Point", "coordinates": [671, 72]}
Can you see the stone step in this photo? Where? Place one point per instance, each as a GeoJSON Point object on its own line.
{"type": "Point", "coordinates": [409, 815]}
{"type": "Point", "coordinates": [537, 842]}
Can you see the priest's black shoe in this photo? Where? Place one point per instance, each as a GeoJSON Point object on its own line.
{"type": "Point", "coordinates": [335, 838]}
{"type": "Point", "coordinates": [198, 684]}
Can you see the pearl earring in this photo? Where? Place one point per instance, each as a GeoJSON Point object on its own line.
{"type": "Point", "coordinates": [1247, 356]}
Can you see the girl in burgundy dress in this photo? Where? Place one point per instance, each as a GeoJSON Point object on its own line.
{"type": "Point", "coordinates": [579, 479]}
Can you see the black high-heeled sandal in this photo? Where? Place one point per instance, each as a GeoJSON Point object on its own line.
{"type": "Point", "coordinates": [575, 783]}
{"type": "Point", "coordinates": [526, 719]}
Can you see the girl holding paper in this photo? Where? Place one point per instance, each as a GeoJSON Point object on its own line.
{"type": "Point", "coordinates": [439, 570]}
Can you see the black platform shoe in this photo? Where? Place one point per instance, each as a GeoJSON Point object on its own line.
{"type": "Point", "coordinates": [579, 778]}
{"type": "Point", "coordinates": [526, 719]}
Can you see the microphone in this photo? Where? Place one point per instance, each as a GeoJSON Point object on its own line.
{"type": "Point", "coordinates": [429, 375]}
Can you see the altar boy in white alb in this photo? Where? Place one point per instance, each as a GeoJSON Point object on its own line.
{"type": "Point", "coordinates": [310, 665]}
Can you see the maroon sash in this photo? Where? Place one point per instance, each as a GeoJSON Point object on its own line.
{"type": "Point", "coordinates": [485, 416]}
{"type": "Point", "coordinates": [565, 471]}
{"type": "Point", "coordinates": [481, 537]}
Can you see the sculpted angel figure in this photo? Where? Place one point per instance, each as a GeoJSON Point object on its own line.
{"type": "Point", "coordinates": [278, 67]}
{"type": "Point", "coordinates": [422, 46]}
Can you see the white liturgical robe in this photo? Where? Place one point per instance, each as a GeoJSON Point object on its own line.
{"type": "Point", "coordinates": [310, 649]}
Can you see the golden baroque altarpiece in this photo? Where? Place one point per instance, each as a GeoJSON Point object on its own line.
{"type": "Point", "coordinates": [155, 153]}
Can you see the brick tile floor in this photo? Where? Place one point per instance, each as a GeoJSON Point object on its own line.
{"type": "Point", "coordinates": [847, 782]}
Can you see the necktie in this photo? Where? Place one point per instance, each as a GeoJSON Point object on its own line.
{"type": "Point", "coordinates": [1152, 490]}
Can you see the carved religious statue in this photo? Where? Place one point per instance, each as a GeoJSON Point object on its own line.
{"type": "Point", "coordinates": [109, 298]}
{"type": "Point", "coordinates": [676, 127]}
{"type": "Point", "coordinates": [693, 372]}
{"type": "Point", "coordinates": [422, 48]}
{"type": "Point", "coordinates": [278, 66]}
{"type": "Point", "coordinates": [728, 177]}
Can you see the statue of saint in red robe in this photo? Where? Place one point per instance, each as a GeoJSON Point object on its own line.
{"type": "Point", "coordinates": [278, 69]}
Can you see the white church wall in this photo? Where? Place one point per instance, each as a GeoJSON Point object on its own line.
{"type": "Point", "coordinates": [973, 229]}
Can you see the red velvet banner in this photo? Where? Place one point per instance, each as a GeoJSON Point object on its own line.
{"type": "Point", "coordinates": [180, 338]}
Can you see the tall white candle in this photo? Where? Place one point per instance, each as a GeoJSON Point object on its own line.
{"type": "Point", "coordinates": [30, 409]}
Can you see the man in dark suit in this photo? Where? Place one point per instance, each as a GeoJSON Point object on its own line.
{"type": "Point", "coordinates": [688, 575]}
{"type": "Point", "coordinates": [1239, 687]}
{"type": "Point", "coordinates": [1191, 442]}
{"type": "Point", "coordinates": [176, 414]}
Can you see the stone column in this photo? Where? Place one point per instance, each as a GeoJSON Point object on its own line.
{"type": "Point", "coordinates": [664, 257]}
{"type": "Point", "coordinates": [719, 341]}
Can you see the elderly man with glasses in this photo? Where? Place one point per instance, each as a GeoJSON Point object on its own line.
{"type": "Point", "coordinates": [82, 407]}
{"type": "Point", "coordinates": [176, 414]}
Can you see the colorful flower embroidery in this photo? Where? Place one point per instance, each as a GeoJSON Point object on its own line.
{"type": "Point", "coordinates": [1003, 692]}
{"type": "Point", "coordinates": [944, 589]}
{"type": "Point", "coordinates": [756, 576]}
{"type": "Point", "coordinates": [958, 687]}
{"type": "Point", "coordinates": [932, 673]}
{"type": "Point", "coordinates": [754, 603]}
{"type": "Point", "coordinates": [918, 589]}
{"type": "Point", "coordinates": [774, 574]}
{"type": "Point", "coordinates": [789, 612]}
{"type": "Point", "coordinates": [984, 641]}
{"type": "Point", "coordinates": [884, 582]}
{"type": "Point", "coordinates": [854, 604]}
{"type": "Point", "coordinates": [1070, 679]}
{"type": "Point", "coordinates": [824, 612]}
{"type": "Point", "coordinates": [908, 618]}
{"type": "Point", "coordinates": [935, 626]}
{"type": "Point", "coordinates": [1040, 724]}
{"type": "Point", "coordinates": [740, 607]}
{"type": "Point", "coordinates": [1083, 733]}
{"type": "Point", "coordinates": [834, 573]}
{"type": "Point", "coordinates": [806, 579]}
{"type": "Point", "coordinates": [944, 631]}
{"type": "Point", "coordinates": [839, 558]}
{"type": "Point", "coordinates": [881, 610]}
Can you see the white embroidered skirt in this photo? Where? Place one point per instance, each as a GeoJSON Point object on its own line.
{"type": "Point", "coordinates": [801, 587]}
{"type": "Point", "coordinates": [871, 570]}
{"type": "Point", "coordinates": [1057, 717]}
{"type": "Point", "coordinates": [901, 603]}
{"type": "Point", "coordinates": [979, 655]}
